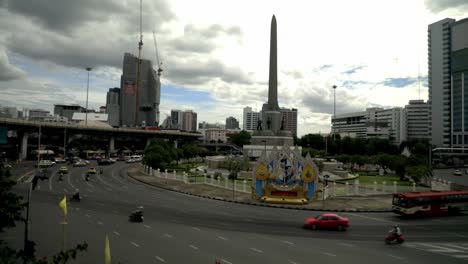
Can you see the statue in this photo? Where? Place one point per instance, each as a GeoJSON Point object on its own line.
{"type": "Point", "coordinates": [259, 124]}
{"type": "Point", "coordinates": [268, 123]}
{"type": "Point", "coordinates": [282, 124]}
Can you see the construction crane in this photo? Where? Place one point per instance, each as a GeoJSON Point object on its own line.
{"type": "Point", "coordinates": [157, 56]}
{"type": "Point", "coordinates": [140, 44]}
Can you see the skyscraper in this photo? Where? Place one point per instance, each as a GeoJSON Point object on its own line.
{"type": "Point", "coordinates": [189, 121]}
{"type": "Point", "coordinates": [138, 104]}
{"type": "Point", "coordinates": [417, 120]}
{"type": "Point", "coordinates": [448, 96]}
{"type": "Point", "coordinates": [176, 119]}
{"type": "Point", "coordinates": [459, 80]}
{"type": "Point", "coordinates": [113, 106]}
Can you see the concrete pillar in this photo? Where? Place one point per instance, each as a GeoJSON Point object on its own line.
{"type": "Point", "coordinates": [24, 146]}
{"type": "Point", "coordinates": [356, 187]}
{"type": "Point", "coordinates": [174, 173]}
{"type": "Point", "coordinates": [226, 182]}
{"type": "Point", "coordinates": [347, 188]}
{"type": "Point", "coordinates": [218, 181]}
{"type": "Point", "coordinates": [111, 144]}
{"type": "Point", "coordinates": [334, 189]}
{"type": "Point", "coordinates": [383, 186]}
{"type": "Point", "coordinates": [375, 186]}
{"type": "Point", "coordinates": [244, 188]}
{"type": "Point", "coordinates": [414, 186]}
{"type": "Point", "coordinates": [165, 173]}
{"type": "Point", "coordinates": [176, 144]}
{"type": "Point", "coordinates": [394, 187]}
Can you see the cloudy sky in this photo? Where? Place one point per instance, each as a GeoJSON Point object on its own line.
{"type": "Point", "coordinates": [215, 53]}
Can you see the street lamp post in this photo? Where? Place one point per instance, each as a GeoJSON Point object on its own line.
{"type": "Point", "coordinates": [87, 92]}
{"type": "Point", "coordinates": [334, 107]}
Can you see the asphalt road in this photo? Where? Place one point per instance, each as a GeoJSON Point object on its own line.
{"type": "Point", "coordinates": [179, 228]}
{"type": "Point", "coordinates": [447, 174]}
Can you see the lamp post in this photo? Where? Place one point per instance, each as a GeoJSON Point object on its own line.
{"type": "Point", "coordinates": [334, 108]}
{"type": "Point", "coordinates": [87, 92]}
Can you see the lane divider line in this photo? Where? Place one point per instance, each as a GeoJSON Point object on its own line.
{"type": "Point", "coordinates": [225, 261]}
{"type": "Point", "coordinates": [348, 245]}
{"type": "Point", "coordinates": [292, 262]}
{"type": "Point", "coordinates": [160, 259]}
{"type": "Point", "coordinates": [222, 238]}
{"type": "Point", "coordinates": [147, 226]}
{"type": "Point", "coordinates": [196, 228]}
{"type": "Point", "coordinates": [397, 257]}
{"type": "Point", "coordinates": [256, 250]}
{"type": "Point", "coordinates": [194, 247]}
{"type": "Point", "coordinates": [117, 233]}
{"type": "Point", "coordinates": [329, 254]}
{"type": "Point", "coordinates": [168, 236]}
{"type": "Point", "coordinates": [288, 242]}
{"type": "Point", "coordinates": [135, 244]}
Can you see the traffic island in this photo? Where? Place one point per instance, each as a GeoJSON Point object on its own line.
{"type": "Point", "coordinates": [376, 203]}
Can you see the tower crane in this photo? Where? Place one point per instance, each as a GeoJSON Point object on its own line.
{"type": "Point", "coordinates": [157, 56]}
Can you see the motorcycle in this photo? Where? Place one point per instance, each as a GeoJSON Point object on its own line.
{"type": "Point", "coordinates": [394, 238]}
{"type": "Point", "coordinates": [136, 216]}
{"type": "Point", "coordinates": [87, 177]}
{"type": "Point", "coordinates": [75, 198]}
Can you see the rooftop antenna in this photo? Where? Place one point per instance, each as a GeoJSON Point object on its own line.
{"type": "Point", "coordinates": [157, 55]}
{"type": "Point", "coordinates": [138, 67]}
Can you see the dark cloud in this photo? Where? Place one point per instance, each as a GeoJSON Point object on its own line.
{"type": "Point", "coordinates": [68, 16]}
{"type": "Point", "coordinates": [196, 72]}
{"type": "Point", "coordinates": [440, 5]}
{"type": "Point", "coordinates": [399, 82]}
{"type": "Point", "coordinates": [9, 72]}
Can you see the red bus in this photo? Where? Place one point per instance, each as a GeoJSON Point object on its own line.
{"type": "Point", "coordinates": [429, 203]}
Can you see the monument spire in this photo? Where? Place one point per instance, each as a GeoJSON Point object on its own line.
{"type": "Point", "coordinates": [273, 76]}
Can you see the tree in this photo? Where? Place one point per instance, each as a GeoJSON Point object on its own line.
{"type": "Point", "coordinates": [11, 206]}
{"type": "Point", "coordinates": [417, 172]}
{"type": "Point", "coordinates": [242, 138]}
{"type": "Point", "coordinates": [234, 165]}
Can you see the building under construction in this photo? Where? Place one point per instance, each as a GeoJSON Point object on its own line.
{"type": "Point", "coordinates": [139, 99]}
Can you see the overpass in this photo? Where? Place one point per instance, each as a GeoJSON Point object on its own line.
{"type": "Point", "coordinates": [52, 133]}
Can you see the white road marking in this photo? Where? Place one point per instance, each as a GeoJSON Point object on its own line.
{"type": "Point", "coordinates": [455, 246]}
{"type": "Point", "coordinates": [87, 215]}
{"type": "Point", "coordinates": [439, 248]}
{"type": "Point", "coordinates": [256, 250]}
{"type": "Point", "coordinates": [225, 261]}
{"type": "Point", "coordinates": [348, 245]}
{"type": "Point", "coordinates": [89, 190]}
{"type": "Point", "coordinates": [460, 256]}
{"type": "Point", "coordinates": [100, 223]}
{"type": "Point", "coordinates": [376, 219]}
{"type": "Point", "coordinates": [167, 235]}
{"type": "Point", "coordinates": [104, 182]}
{"type": "Point", "coordinates": [147, 226]}
{"type": "Point", "coordinates": [50, 182]}
{"type": "Point", "coordinates": [196, 228]}
{"type": "Point", "coordinates": [69, 182]}
{"type": "Point", "coordinates": [160, 259]}
{"type": "Point", "coordinates": [194, 247]}
{"type": "Point", "coordinates": [292, 262]}
{"type": "Point", "coordinates": [393, 256]}
{"type": "Point", "coordinates": [222, 238]}
{"type": "Point", "coordinates": [288, 242]}
{"type": "Point", "coordinates": [117, 233]}
{"type": "Point", "coordinates": [329, 254]}
{"type": "Point", "coordinates": [135, 244]}
{"type": "Point", "coordinates": [115, 212]}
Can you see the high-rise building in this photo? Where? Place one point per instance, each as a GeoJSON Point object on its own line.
{"type": "Point", "coordinates": [459, 80]}
{"type": "Point", "coordinates": [232, 123]}
{"type": "Point", "coordinates": [417, 120]}
{"type": "Point", "coordinates": [140, 104]}
{"type": "Point", "coordinates": [67, 110]}
{"type": "Point", "coordinates": [289, 120]}
{"type": "Point", "coordinates": [189, 121]}
{"type": "Point", "coordinates": [250, 119]}
{"type": "Point", "coordinates": [439, 37]}
{"type": "Point", "coordinates": [176, 119]}
{"type": "Point", "coordinates": [394, 120]}
{"type": "Point", "coordinates": [8, 112]}
{"type": "Point", "coordinates": [113, 106]}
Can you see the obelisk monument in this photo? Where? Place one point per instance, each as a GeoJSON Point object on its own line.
{"type": "Point", "coordinates": [270, 131]}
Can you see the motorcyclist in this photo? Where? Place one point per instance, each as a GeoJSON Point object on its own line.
{"type": "Point", "coordinates": [60, 176]}
{"type": "Point", "coordinates": [76, 196]}
{"type": "Point", "coordinates": [396, 231]}
{"type": "Point", "coordinates": [87, 177]}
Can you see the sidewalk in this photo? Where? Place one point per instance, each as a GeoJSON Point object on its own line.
{"type": "Point", "coordinates": [378, 203]}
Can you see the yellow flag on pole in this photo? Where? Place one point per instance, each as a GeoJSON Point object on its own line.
{"type": "Point", "coordinates": [107, 255]}
{"type": "Point", "coordinates": [63, 204]}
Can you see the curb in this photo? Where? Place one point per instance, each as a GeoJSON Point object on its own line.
{"type": "Point", "coordinates": [268, 205]}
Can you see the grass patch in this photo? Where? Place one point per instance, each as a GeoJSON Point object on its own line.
{"type": "Point", "coordinates": [369, 180]}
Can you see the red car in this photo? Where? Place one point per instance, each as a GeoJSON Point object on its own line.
{"type": "Point", "coordinates": [327, 221]}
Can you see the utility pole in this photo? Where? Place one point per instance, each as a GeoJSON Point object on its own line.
{"type": "Point", "coordinates": [87, 92]}
{"type": "Point", "coordinates": [334, 108]}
